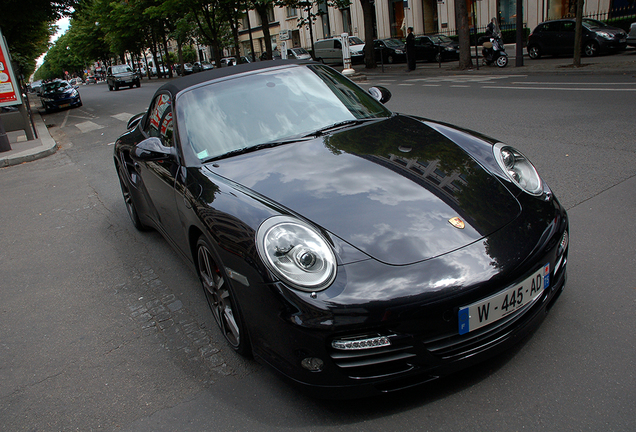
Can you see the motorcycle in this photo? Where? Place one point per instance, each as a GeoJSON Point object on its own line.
{"type": "Point", "coordinates": [493, 48]}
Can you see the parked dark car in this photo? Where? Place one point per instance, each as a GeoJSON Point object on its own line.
{"type": "Point", "coordinates": [631, 37]}
{"type": "Point", "coordinates": [436, 48]}
{"type": "Point", "coordinates": [59, 94]}
{"type": "Point", "coordinates": [122, 76]}
{"type": "Point", "coordinates": [353, 249]}
{"type": "Point", "coordinates": [557, 38]}
{"type": "Point", "coordinates": [391, 50]}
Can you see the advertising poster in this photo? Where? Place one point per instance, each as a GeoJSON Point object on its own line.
{"type": "Point", "coordinates": [9, 88]}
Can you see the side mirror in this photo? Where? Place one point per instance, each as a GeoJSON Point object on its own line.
{"type": "Point", "coordinates": [134, 120]}
{"type": "Point", "coordinates": [382, 94]}
{"type": "Point", "coordinates": [153, 149]}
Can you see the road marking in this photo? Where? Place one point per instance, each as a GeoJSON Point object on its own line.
{"type": "Point", "coordinates": [65, 118]}
{"type": "Point", "coordinates": [88, 126]}
{"type": "Point", "coordinates": [559, 88]}
{"type": "Point", "coordinates": [465, 79]}
{"type": "Point", "coordinates": [123, 116]}
{"type": "Point", "coordinates": [569, 83]}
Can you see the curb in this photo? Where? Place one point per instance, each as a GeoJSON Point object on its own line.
{"type": "Point", "coordinates": [41, 147]}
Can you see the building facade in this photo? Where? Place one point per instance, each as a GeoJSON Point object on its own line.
{"type": "Point", "coordinates": [393, 17]}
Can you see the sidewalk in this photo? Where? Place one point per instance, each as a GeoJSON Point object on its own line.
{"type": "Point", "coordinates": [620, 63]}
{"type": "Point", "coordinates": [23, 150]}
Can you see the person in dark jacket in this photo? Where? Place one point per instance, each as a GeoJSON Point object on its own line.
{"type": "Point", "coordinates": [410, 49]}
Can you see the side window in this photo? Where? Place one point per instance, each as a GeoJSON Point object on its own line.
{"type": "Point", "coordinates": [166, 131]}
{"type": "Point", "coordinates": [338, 45]}
{"type": "Point", "coordinates": [568, 26]}
{"type": "Point", "coordinates": [159, 107]}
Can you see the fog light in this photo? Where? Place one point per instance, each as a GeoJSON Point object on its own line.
{"type": "Point", "coordinates": [312, 364]}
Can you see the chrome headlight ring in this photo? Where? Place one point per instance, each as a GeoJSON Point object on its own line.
{"type": "Point", "coordinates": [296, 253]}
{"type": "Point", "coordinates": [518, 169]}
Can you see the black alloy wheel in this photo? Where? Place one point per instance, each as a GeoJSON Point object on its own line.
{"type": "Point", "coordinates": [130, 205]}
{"type": "Point", "coordinates": [221, 299]}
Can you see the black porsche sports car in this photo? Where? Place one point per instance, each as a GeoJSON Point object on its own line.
{"type": "Point", "coordinates": [353, 249]}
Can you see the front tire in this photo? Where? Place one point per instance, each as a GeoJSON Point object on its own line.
{"type": "Point", "coordinates": [534, 52]}
{"type": "Point", "coordinates": [502, 61]}
{"type": "Point", "coordinates": [221, 299]}
{"type": "Point", "coordinates": [128, 200]}
{"type": "Point", "coordinates": [591, 48]}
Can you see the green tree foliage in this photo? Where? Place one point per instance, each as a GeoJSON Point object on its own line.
{"type": "Point", "coordinates": [27, 25]}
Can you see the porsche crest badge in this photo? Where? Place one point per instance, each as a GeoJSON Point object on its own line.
{"type": "Point", "coordinates": [457, 222]}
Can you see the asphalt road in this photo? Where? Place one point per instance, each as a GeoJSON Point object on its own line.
{"type": "Point", "coordinates": [80, 287]}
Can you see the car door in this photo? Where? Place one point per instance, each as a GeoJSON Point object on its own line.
{"type": "Point", "coordinates": [424, 48]}
{"type": "Point", "coordinates": [162, 176]}
{"type": "Point", "coordinates": [566, 37]}
{"type": "Point", "coordinates": [547, 37]}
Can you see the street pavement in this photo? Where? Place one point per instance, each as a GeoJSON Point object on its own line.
{"type": "Point", "coordinates": [23, 150]}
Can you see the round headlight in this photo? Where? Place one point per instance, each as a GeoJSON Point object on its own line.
{"type": "Point", "coordinates": [296, 252]}
{"type": "Point", "coordinates": [518, 169]}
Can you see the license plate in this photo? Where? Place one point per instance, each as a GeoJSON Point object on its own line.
{"type": "Point", "coordinates": [502, 304]}
{"type": "Point", "coordinates": [65, 105]}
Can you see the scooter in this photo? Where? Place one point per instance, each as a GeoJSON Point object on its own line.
{"type": "Point", "coordinates": [493, 49]}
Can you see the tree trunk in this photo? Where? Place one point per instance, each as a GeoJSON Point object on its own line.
{"type": "Point", "coordinates": [368, 11]}
{"type": "Point", "coordinates": [166, 58]}
{"type": "Point", "coordinates": [578, 31]}
{"type": "Point", "coordinates": [461, 21]}
{"type": "Point", "coordinates": [262, 12]}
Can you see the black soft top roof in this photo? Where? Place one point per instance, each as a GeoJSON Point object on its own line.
{"type": "Point", "coordinates": [180, 84]}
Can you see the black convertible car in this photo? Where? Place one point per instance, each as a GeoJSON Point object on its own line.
{"type": "Point", "coordinates": [353, 249]}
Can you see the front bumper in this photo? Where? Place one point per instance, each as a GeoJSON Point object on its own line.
{"type": "Point", "coordinates": [422, 327]}
{"type": "Point", "coordinates": [62, 103]}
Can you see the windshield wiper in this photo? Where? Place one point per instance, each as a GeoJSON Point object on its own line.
{"type": "Point", "coordinates": [342, 124]}
{"type": "Point", "coordinates": [256, 147]}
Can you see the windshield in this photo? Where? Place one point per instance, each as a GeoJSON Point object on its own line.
{"type": "Point", "coordinates": [299, 51]}
{"type": "Point", "coordinates": [121, 69]}
{"type": "Point", "coordinates": [55, 86]}
{"type": "Point", "coordinates": [394, 43]}
{"type": "Point", "coordinates": [441, 39]}
{"type": "Point", "coordinates": [273, 105]}
{"type": "Point", "coordinates": [592, 23]}
{"type": "Point", "coordinates": [353, 40]}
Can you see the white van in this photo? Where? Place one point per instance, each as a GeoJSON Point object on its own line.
{"type": "Point", "coordinates": [330, 50]}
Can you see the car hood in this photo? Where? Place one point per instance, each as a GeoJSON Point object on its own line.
{"type": "Point", "coordinates": [389, 188]}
